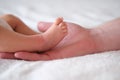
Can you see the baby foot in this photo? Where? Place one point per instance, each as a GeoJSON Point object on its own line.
{"type": "Point", "coordinates": [55, 33]}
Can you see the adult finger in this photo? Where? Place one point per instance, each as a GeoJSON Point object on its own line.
{"type": "Point", "coordinates": [32, 56]}
{"type": "Point", "coordinates": [43, 26]}
{"type": "Point", "coordinates": [7, 56]}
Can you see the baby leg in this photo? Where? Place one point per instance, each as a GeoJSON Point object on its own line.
{"type": "Point", "coordinates": [11, 35]}
{"type": "Point", "coordinates": [17, 25]}
{"type": "Point", "coordinates": [11, 41]}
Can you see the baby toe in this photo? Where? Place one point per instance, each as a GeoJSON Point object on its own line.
{"type": "Point", "coordinates": [58, 21]}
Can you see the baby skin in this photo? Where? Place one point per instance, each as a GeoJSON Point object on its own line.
{"type": "Point", "coordinates": [15, 36]}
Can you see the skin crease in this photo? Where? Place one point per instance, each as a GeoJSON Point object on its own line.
{"type": "Point", "coordinates": [79, 41]}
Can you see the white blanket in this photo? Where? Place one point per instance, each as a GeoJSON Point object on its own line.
{"type": "Point", "coordinates": [102, 66]}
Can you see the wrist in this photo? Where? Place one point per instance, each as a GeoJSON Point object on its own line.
{"type": "Point", "coordinates": [104, 39]}
{"type": "Point", "coordinates": [99, 39]}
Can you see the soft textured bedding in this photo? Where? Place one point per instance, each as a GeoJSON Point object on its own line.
{"type": "Point", "coordinates": [102, 66]}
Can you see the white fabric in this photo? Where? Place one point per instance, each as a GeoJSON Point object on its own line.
{"type": "Point", "coordinates": [102, 66]}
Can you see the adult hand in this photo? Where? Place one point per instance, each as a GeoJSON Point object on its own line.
{"type": "Point", "coordinates": [79, 41]}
